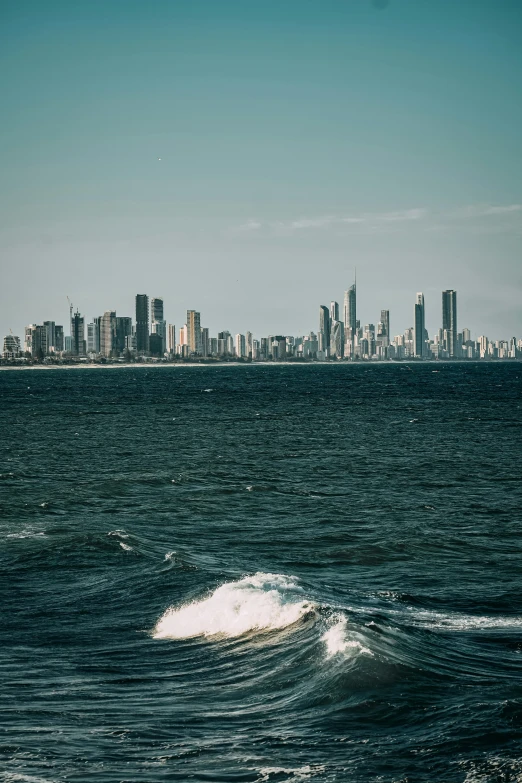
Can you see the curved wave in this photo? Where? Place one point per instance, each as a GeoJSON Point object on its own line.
{"type": "Point", "coordinates": [263, 602]}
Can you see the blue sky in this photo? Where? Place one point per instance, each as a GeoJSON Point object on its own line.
{"type": "Point", "coordinates": [298, 140]}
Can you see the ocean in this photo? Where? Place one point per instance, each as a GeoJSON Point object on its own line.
{"type": "Point", "coordinates": [262, 573]}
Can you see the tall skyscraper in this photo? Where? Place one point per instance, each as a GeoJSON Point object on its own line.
{"type": "Point", "coordinates": [108, 333]}
{"type": "Point", "coordinates": [419, 328]}
{"type": "Point", "coordinates": [249, 344]}
{"type": "Point", "coordinates": [51, 335]}
{"type": "Point", "coordinates": [324, 325]}
{"type": "Point", "coordinates": [58, 338]}
{"type": "Point", "coordinates": [334, 311]}
{"type": "Point", "coordinates": [194, 331]}
{"type": "Point", "coordinates": [337, 339]}
{"type": "Point", "coordinates": [171, 338]}
{"type": "Point", "coordinates": [350, 309]}
{"type": "Point", "coordinates": [240, 346]}
{"type": "Point", "coordinates": [385, 321]}
{"type": "Point", "coordinates": [449, 320]}
{"type": "Point", "coordinates": [142, 323]}
{"type": "Point", "coordinates": [93, 338]}
{"type": "Point", "coordinates": [123, 331]}
{"type": "Point", "coordinates": [205, 342]}
{"type": "Point", "coordinates": [77, 334]}
{"type": "Point", "coordinates": [159, 325]}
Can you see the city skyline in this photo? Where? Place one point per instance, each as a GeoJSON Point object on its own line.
{"type": "Point", "coordinates": [340, 335]}
{"type": "Point", "coordinates": [432, 315]}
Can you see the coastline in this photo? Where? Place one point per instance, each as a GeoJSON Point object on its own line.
{"type": "Point", "coordinates": [182, 365]}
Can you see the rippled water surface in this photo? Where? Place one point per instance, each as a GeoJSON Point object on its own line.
{"type": "Point", "coordinates": [268, 573]}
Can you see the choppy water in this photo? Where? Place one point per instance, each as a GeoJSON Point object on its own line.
{"type": "Point", "coordinates": [262, 573]}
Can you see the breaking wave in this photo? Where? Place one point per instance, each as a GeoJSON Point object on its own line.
{"type": "Point", "coordinates": [336, 640]}
{"type": "Point", "coordinates": [263, 602]}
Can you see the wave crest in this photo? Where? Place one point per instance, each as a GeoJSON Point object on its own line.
{"type": "Point", "coordinates": [263, 602]}
{"type": "Point", "coordinates": [336, 640]}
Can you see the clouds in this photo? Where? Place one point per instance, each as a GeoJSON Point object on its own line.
{"type": "Point", "coordinates": [382, 222]}
{"type": "Point", "coordinates": [486, 210]}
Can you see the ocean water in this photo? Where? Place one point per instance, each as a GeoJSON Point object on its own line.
{"type": "Point", "coordinates": [261, 573]}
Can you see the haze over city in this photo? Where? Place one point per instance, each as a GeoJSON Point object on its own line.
{"type": "Point", "coordinates": [243, 158]}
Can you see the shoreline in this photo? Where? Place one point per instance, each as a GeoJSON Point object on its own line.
{"type": "Point", "coordinates": [182, 365]}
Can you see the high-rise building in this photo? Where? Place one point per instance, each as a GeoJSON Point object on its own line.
{"type": "Point", "coordinates": [449, 321]}
{"type": "Point", "coordinates": [28, 338]}
{"type": "Point", "coordinates": [240, 346]}
{"type": "Point", "coordinates": [324, 326]}
{"type": "Point", "coordinates": [194, 331]}
{"type": "Point", "coordinates": [334, 311]}
{"type": "Point", "coordinates": [337, 340]}
{"type": "Point", "coordinates": [249, 344]}
{"type": "Point", "coordinates": [171, 339]}
{"type": "Point", "coordinates": [93, 337]}
{"type": "Point", "coordinates": [350, 309]}
{"type": "Point", "coordinates": [205, 342]}
{"type": "Point", "coordinates": [419, 328]}
{"type": "Point", "coordinates": [58, 338]}
{"type": "Point", "coordinates": [50, 327]}
{"type": "Point", "coordinates": [142, 323]}
{"type": "Point", "coordinates": [156, 344]}
{"type": "Point", "coordinates": [78, 340]}
{"type": "Point", "coordinates": [156, 309]}
{"type": "Point", "coordinates": [108, 333]}
{"type": "Point", "coordinates": [123, 331]}
{"type": "Point", "coordinates": [385, 321]}
{"type": "Point", "coordinates": [39, 342]}
{"type": "Point", "coordinates": [159, 325]}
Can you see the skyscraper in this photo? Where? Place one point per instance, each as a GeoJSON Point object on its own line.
{"type": "Point", "coordinates": [350, 309]}
{"type": "Point", "coordinates": [58, 338]}
{"type": "Point", "coordinates": [123, 331]}
{"type": "Point", "coordinates": [449, 320]}
{"type": "Point", "coordinates": [385, 321]}
{"type": "Point", "coordinates": [205, 342]}
{"type": "Point", "coordinates": [142, 323]}
{"type": "Point", "coordinates": [337, 340]}
{"type": "Point", "coordinates": [419, 328]}
{"type": "Point", "coordinates": [108, 333]}
{"type": "Point", "coordinates": [159, 325]}
{"type": "Point", "coordinates": [334, 311]}
{"type": "Point", "coordinates": [171, 338]}
{"type": "Point", "coordinates": [324, 325]}
{"type": "Point", "coordinates": [51, 335]}
{"type": "Point", "coordinates": [194, 331]}
{"type": "Point", "coordinates": [240, 346]}
{"type": "Point", "coordinates": [93, 337]}
{"type": "Point", "coordinates": [77, 334]}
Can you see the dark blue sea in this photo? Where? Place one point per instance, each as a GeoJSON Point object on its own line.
{"type": "Point", "coordinates": [262, 574]}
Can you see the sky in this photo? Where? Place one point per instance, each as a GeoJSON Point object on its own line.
{"type": "Point", "coordinates": [243, 157]}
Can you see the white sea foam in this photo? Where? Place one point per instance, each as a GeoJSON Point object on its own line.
{"type": "Point", "coordinates": [464, 622]}
{"type": "Point", "coordinates": [126, 547]}
{"type": "Point", "coordinates": [19, 777]}
{"type": "Point", "coordinates": [25, 534]}
{"type": "Point", "coordinates": [337, 641]}
{"type": "Point", "coordinates": [300, 773]}
{"type": "Point", "coordinates": [262, 602]}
